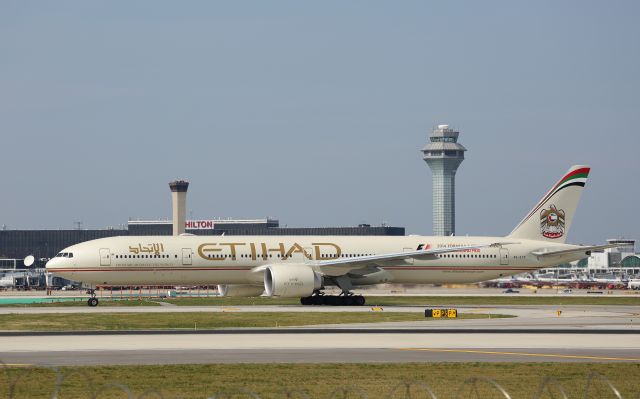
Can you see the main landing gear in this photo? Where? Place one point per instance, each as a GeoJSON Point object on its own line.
{"type": "Point", "coordinates": [93, 301]}
{"type": "Point", "coordinates": [344, 299]}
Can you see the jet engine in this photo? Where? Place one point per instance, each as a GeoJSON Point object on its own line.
{"type": "Point", "coordinates": [291, 281]}
{"type": "Point", "coordinates": [240, 290]}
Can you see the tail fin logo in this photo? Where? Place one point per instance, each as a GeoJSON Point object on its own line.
{"type": "Point", "coordinates": [552, 222]}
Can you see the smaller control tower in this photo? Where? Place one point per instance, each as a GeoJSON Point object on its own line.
{"type": "Point", "coordinates": [443, 154]}
{"type": "Point", "coordinates": [179, 205]}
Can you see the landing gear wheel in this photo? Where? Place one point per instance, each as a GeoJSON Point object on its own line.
{"type": "Point", "coordinates": [93, 302]}
{"type": "Point", "coordinates": [333, 300]}
{"type": "Point", "coordinates": [348, 301]}
{"type": "Point", "coordinates": [307, 300]}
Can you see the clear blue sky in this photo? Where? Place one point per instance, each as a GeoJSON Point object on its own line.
{"type": "Point", "coordinates": [315, 112]}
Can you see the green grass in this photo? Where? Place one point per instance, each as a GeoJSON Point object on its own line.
{"type": "Point", "coordinates": [371, 300]}
{"type": "Point", "coordinates": [199, 320]}
{"type": "Point", "coordinates": [83, 302]}
{"type": "Point", "coordinates": [423, 300]}
{"type": "Point", "coordinates": [269, 381]}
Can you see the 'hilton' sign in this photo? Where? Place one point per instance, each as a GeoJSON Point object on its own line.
{"type": "Point", "coordinates": [198, 224]}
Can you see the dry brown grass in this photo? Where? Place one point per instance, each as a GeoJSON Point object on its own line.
{"type": "Point", "coordinates": [198, 320]}
{"type": "Point", "coordinates": [269, 381]}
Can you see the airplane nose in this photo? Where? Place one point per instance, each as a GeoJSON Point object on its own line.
{"type": "Point", "coordinates": [51, 264]}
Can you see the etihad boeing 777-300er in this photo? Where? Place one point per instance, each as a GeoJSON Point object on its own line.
{"type": "Point", "coordinates": [301, 266]}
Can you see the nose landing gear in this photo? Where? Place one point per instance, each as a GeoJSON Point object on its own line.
{"type": "Point", "coordinates": [92, 301]}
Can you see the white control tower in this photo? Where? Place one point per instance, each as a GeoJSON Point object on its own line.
{"type": "Point", "coordinates": [443, 154]}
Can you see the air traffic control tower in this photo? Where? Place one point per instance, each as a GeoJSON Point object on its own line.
{"type": "Point", "coordinates": [179, 205]}
{"type": "Point", "coordinates": [443, 154]}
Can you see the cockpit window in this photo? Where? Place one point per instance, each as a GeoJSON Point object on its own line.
{"type": "Point", "coordinates": [65, 255]}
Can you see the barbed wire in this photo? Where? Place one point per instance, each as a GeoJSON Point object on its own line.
{"type": "Point", "coordinates": [546, 386]}
{"type": "Point", "coordinates": [478, 387]}
{"type": "Point", "coordinates": [406, 389]}
{"type": "Point", "coordinates": [602, 378]}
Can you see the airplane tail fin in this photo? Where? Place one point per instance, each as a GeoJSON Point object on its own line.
{"type": "Point", "coordinates": [551, 218]}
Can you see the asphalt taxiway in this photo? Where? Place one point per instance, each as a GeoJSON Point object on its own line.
{"type": "Point", "coordinates": [537, 333]}
{"type": "Point", "coordinates": [318, 347]}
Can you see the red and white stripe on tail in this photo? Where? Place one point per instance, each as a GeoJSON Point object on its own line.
{"type": "Point", "coordinates": [551, 218]}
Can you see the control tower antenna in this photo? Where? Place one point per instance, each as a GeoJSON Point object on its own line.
{"type": "Point", "coordinates": [179, 205]}
{"type": "Point", "coordinates": [443, 154]}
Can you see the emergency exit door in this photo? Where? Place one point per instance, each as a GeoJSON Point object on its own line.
{"type": "Point", "coordinates": [186, 256]}
{"type": "Point", "coordinates": [504, 256]}
{"type": "Point", "coordinates": [105, 257]}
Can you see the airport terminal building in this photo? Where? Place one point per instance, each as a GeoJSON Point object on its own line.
{"type": "Point", "coordinates": [44, 244]}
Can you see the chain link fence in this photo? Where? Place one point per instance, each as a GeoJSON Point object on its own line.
{"type": "Point", "coordinates": [595, 386]}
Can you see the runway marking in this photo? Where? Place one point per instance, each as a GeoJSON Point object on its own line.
{"type": "Point", "coordinates": [16, 364]}
{"type": "Point", "coordinates": [521, 354]}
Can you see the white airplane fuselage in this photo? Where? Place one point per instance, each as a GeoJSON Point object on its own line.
{"type": "Point", "coordinates": [208, 260]}
{"type": "Point", "coordinates": [290, 266]}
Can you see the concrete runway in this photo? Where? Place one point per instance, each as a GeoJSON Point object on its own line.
{"type": "Point", "coordinates": [318, 347]}
{"type": "Point", "coordinates": [580, 334]}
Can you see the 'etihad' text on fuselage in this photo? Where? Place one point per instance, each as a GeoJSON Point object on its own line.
{"type": "Point", "coordinates": [320, 250]}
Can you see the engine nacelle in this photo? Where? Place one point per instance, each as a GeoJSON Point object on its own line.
{"type": "Point", "coordinates": [291, 281]}
{"type": "Point", "coordinates": [240, 290]}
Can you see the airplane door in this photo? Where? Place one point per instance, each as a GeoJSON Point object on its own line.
{"type": "Point", "coordinates": [504, 256]}
{"type": "Point", "coordinates": [299, 257]}
{"type": "Point", "coordinates": [308, 253]}
{"type": "Point", "coordinates": [105, 257]}
{"type": "Point", "coordinates": [186, 256]}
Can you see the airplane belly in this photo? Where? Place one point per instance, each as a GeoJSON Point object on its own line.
{"type": "Point", "coordinates": [157, 276]}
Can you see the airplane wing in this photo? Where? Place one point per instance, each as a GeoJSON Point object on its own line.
{"type": "Point", "coordinates": [581, 249]}
{"type": "Point", "coordinates": [339, 267]}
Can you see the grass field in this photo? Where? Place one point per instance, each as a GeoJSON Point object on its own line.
{"type": "Point", "coordinates": [371, 300]}
{"type": "Point", "coordinates": [270, 381]}
{"type": "Point", "coordinates": [83, 302]}
{"type": "Point", "coordinates": [199, 320]}
{"type": "Point", "coordinates": [423, 300]}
